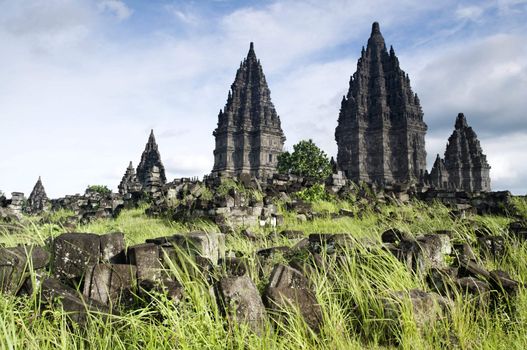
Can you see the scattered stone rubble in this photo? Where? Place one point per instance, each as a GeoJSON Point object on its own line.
{"type": "Point", "coordinates": [85, 272]}
{"type": "Point", "coordinates": [90, 206]}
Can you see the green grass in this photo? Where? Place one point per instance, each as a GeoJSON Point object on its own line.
{"type": "Point", "coordinates": [349, 293]}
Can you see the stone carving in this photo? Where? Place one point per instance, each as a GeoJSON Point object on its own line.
{"type": "Point", "coordinates": [381, 132]}
{"type": "Point", "coordinates": [38, 200]}
{"type": "Point", "coordinates": [129, 183]}
{"type": "Point", "coordinates": [249, 136]}
{"type": "Point", "coordinates": [465, 167]}
{"type": "Point", "coordinates": [150, 171]}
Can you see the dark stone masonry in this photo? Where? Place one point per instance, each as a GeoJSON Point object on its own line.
{"type": "Point", "coordinates": [464, 167]}
{"type": "Point", "coordinates": [249, 136]}
{"type": "Point", "coordinates": [381, 132]}
{"type": "Point", "coordinates": [129, 183]}
{"type": "Point", "coordinates": [38, 201]}
{"type": "Point", "coordinates": [150, 171]}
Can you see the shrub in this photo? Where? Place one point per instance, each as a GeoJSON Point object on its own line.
{"type": "Point", "coordinates": [315, 193]}
{"type": "Point", "coordinates": [102, 189]}
{"type": "Point", "coordinates": [306, 160]}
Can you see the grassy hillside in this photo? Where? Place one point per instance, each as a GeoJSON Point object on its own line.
{"type": "Point", "coordinates": [349, 293]}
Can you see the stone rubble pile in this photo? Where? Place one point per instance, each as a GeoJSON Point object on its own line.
{"type": "Point", "coordinates": [86, 272]}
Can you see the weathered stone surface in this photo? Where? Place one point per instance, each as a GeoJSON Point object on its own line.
{"type": "Point", "coordinates": [427, 307]}
{"type": "Point", "coordinates": [112, 248]}
{"type": "Point", "coordinates": [465, 167]}
{"type": "Point", "coordinates": [241, 302]}
{"type": "Point", "coordinates": [381, 132]}
{"type": "Point", "coordinates": [249, 136]}
{"type": "Point", "coordinates": [110, 284]}
{"type": "Point", "coordinates": [234, 266]}
{"type": "Point", "coordinates": [76, 307]}
{"type": "Point", "coordinates": [150, 171]}
{"type": "Point", "coordinates": [502, 282]}
{"type": "Point", "coordinates": [393, 235]}
{"type": "Point", "coordinates": [73, 252]}
{"type": "Point", "coordinates": [473, 286]}
{"type": "Point", "coordinates": [491, 246]}
{"type": "Point", "coordinates": [424, 252]}
{"type": "Point", "coordinates": [288, 287]}
{"type": "Point", "coordinates": [146, 258]}
{"type": "Point", "coordinates": [16, 264]}
{"type": "Point", "coordinates": [442, 280]}
{"type": "Point", "coordinates": [208, 245]}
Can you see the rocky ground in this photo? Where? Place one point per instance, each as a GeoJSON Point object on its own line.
{"type": "Point", "coordinates": [353, 268]}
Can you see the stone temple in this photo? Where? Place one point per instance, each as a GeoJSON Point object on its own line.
{"type": "Point", "coordinates": [249, 136]}
{"type": "Point", "coordinates": [381, 133]}
{"type": "Point", "coordinates": [129, 183]}
{"type": "Point", "coordinates": [150, 171]}
{"type": "Point", "coordinates": [38, 200]}
{"type": "Point", "coordinates": [465, 167]}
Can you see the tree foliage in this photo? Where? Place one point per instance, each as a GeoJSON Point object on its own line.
{"type": "Point", "coordinates": [306, 160]}
{"type": "Point", "coordinates": [102, 189]}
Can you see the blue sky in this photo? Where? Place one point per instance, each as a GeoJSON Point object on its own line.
{"type": "Point", "coordinates": [82, 82]}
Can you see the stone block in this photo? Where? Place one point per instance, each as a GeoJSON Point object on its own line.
{"type": "Point", "coordinates": [427, 308]}
{"type": "Point", "coordinates": [112, 248]}
{"type": "Point", "coordinates": [146, 258]}
{"type": "Point", "coordinates": [76, 307]}
{"type": "Point", "coordinates": [73, 252]}
{"type": "Point", "coordinates": [241, 302]}
{"type": "Point", "coordinates": [110, 284]}
{"type": "Point", "coordinates": [12, 266]}
{"type": "Point", "coordinates": [288, 287]}
{"type": "Point", "coordinates": [425, 252]}
{"type": "Point", "coordinates": [234, 266]}
{"type": "Point", "coordinates": [207, 245]}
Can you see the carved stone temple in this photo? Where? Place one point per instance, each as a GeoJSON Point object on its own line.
{"type": "Point", "coordinates": [129, 182]}
{"type": "Point", "coordinates": [38, 199]}
{"type": "Point", "coordinates": [249, 136]}
{"type": "Point", "coordinates": [465, 167]}
{"type": "Point", "coordinates": [150, 171]}
{"type": "Point", "coordinates": [381, 132]}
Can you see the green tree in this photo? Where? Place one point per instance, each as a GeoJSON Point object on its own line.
{"type": "Point", "coordinates": [102, 189]}
{"type": "Point", "coordinates": [306, 160]}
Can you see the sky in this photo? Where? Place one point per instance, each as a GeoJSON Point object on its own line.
{"type": "Point", "coordinates": [82, 82]}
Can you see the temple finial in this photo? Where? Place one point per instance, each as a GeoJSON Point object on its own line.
{"type": "Point", "coordinates": [375, 29]}
{"type": "Point", "coordinates": [461, 121]}
{"type": "Point", "coordinates": [251, 50]}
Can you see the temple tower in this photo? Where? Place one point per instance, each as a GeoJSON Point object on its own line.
{"type": "Point", "coordinates": [465, 164]}
{"type": "Point", "coordinates": [249, 136]}
{"type": "Point", "coordinates": [381, 132]}
{"type": "Point", "coordinates": [150, 171]}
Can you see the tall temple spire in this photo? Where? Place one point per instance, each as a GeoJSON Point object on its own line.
{"type": "Point", "coordinates": [381, 132]}
{"type": "Point", "coordinates": [249, 135]}
{"type": "Point", "coordinates": [151, 165]}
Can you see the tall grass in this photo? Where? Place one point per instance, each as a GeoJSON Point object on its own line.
{"type": "Point", "coordinates": [349, 289]}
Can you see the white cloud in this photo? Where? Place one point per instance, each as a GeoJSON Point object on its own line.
{"type": "Point", "coordinates": [77, 104]}
{"type": "Point", "coordinates": [472, 13]}
{"type": "Point", "coordinates": [116, 7]}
